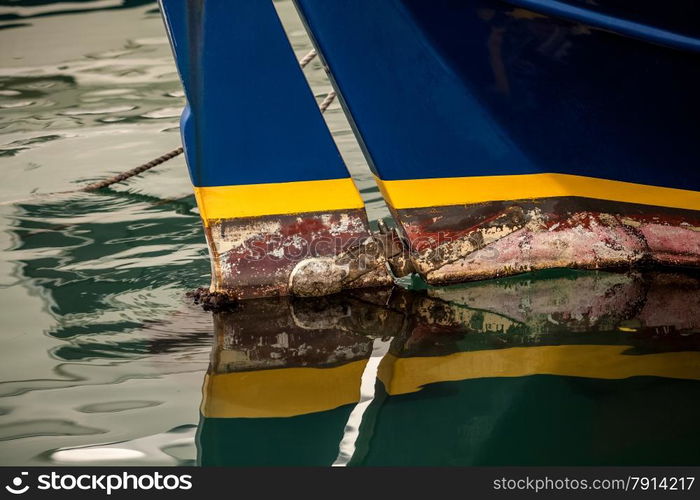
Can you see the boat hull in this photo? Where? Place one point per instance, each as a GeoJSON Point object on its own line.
{"type": "Point", "coordinates": [520, 135]}
{"type": "Point", "coordinates": [274, 195]}
{"type": "Point", "coordinates": [501, 238]}
{"type": "Point", "coordinates": [505, 136]}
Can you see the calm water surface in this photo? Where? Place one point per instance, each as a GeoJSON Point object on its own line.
{"type": "Point", "coordinates": [105, 362]}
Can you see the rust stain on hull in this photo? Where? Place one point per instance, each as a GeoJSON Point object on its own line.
{"type": "Point", "coordinates": [465, 243]}
{"type": "Point", "coordinates": [256, 257]}
{"type": "Point", "coordinates": [315, 254]}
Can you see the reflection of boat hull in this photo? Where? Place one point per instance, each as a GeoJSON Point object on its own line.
{"type": "Point", "coordinates": [505, 136]}
{"type": "Point", "coordinates": [306, 440]}
{"type": "Point", "coordinates": [561, 368]}
{"type": "Point", "coordinates": [535, 420]}
{"type": "Point", "coordinates": [539, 420]}
{"type": "Point", "coordinates": [465, 412]}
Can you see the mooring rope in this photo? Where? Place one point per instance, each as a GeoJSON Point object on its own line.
{"type": "Point", "coordinates": [304, 61]}
{"type": "Point", "coordinates": [133, 172]}
{"type": "Point", "coordinates": [327, 101]}
{"type": "Point", "coordinates": [121, 177]}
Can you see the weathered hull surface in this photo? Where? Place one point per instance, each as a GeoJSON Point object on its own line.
{"type": "Point", "coordinates": [515, 135]}
{"type": "Point", "coordinates": [461, 243]}
{"type": "Point", "coordinates": [268, 255]}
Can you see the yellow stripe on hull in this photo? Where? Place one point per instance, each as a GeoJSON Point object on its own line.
{"type": "Point", "coordinates": [421, 193]}
{"type": "Point", "coordinates": [281, 392]}
{"type": "Point", "coordinates": [254, 200]}
{"type": "Point", "coordinates": [406, 375]}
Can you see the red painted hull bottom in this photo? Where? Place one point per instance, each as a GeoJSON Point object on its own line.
{"type": "Point", "coordinates": [300, 254]}
{"type": "Point", "coordinates": [315, 254]}
{"type": "Point", "coordinates": [453, 244]}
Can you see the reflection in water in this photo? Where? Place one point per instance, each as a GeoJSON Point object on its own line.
{"type": "Point", "coordinates": [97, 269]}
{"type": "Point", "coordinates": [553, 368]}
{"type": "Point", "coordinates": [114, 378]}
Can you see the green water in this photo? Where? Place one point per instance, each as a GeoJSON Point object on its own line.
{"type": "Point", "coordinates": [104, 359]}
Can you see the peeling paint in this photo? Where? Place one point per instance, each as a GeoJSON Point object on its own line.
{"type": "Point", "coordinates": [256, 257]}
{"type": "Point", "coordinates": [320, 254]}
{"type": "Point", "coordinates": [464, 243]}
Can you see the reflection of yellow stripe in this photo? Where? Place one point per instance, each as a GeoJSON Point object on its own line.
{"type": "Point", "coordinates": [287, 392]}
{"type": "Point", "coordinates": [283, 392]}
{"type": "Point", "coordinates": [252, 200]}
{"type": "Point", "coordinates": [416, 193]}
{"type": "Point", "coordinates": [405, 375]}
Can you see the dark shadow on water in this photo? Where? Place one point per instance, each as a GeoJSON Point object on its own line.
{"type": "Point", "coordinates": [557, 368]}
{"type": "Point", "coordinates": [14, 25]}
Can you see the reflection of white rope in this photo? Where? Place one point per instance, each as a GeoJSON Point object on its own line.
{"type": "Point", "coordinates": [346, 448]}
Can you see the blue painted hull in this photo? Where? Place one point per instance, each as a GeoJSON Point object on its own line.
{"type": "Point", "coordinates": [453, 88]}
{"type": "Point", "coordinates": [515, 135]}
